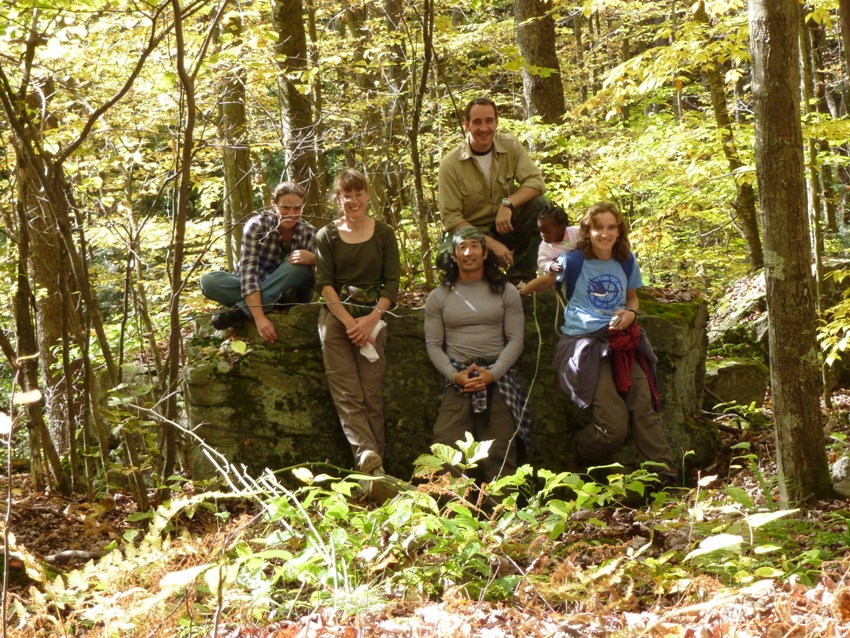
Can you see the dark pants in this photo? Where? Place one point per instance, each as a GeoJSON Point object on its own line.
{"type": "Point", "coordinates": [615, 416]}
{"type": "Point", "coordinates": [523, 240]}
{"type": "Point", "coordinates": [456, 418]}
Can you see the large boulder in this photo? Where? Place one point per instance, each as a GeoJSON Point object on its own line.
{"type": "Point", "coordinates": [269, 406]}
{"type": "Point", "coordinates": [738, 324]}
{"type": "Point", "coordinates": [740, 380]}
{"type": "Point", "coordinates": [739, 321]}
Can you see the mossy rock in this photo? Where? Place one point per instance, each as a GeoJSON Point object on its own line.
{"type": "Point", "coordinates": [270, 406]}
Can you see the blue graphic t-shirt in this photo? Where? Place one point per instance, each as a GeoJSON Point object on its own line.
{"type": "Point", "coordinates": [600, 290]}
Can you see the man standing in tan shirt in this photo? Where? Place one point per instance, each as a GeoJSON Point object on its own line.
{"type": "Point", "coordinates": [488, 181]}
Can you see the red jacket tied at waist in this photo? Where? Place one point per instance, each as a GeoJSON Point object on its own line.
{"type": "Point", "coordinates": [623, 344]}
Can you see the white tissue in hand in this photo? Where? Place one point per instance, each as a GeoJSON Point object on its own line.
{"type": "Point", "coordinates": [368, 349]}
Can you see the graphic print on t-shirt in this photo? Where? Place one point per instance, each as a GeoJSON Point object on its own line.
{"type": "Point", "coordinates": [604, 292]}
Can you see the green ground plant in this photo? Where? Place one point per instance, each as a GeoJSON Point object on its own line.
{"type": "Point", "coordinates": [308, 542]}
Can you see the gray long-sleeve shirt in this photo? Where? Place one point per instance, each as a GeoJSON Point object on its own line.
{"type": "Point", "coordinates": [469, 322]}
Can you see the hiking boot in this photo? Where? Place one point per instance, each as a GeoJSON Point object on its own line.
{"type": "Point", "coordinates": [370, 463]}
{"type": "Point", "coordinates": [227, 318]}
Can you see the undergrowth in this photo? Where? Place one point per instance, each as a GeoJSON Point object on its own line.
{"type": "Point", "coordinates": [556, 541]}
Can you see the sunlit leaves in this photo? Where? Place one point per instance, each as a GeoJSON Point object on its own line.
{"type": "Point", "coordinates": [26, 398]}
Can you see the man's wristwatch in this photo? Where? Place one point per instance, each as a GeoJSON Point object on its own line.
{"type": "Point", "coordinates": [506, 201]}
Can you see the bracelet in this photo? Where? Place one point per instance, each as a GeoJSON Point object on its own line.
{"type": "Point", "coordinates": [634, 311]}
{"type": "Point", "coordinates": [379, 310]}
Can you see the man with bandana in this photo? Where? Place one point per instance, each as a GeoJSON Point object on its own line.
{"type": "Point", "coordinates": [474, 326]}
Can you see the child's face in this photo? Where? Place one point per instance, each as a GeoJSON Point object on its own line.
{"type": "Point", "coordinates": [550, 231]}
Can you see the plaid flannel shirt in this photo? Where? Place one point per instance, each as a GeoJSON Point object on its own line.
{"type": "Point", "coordinates": [515, 396]}
{"type": "Point", "coordinates": [263, 250]}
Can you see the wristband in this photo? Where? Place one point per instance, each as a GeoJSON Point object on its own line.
{"type": "Point", "coordinates": [381, 312]}
{"type": "Point", "coordinates": [634, 311]}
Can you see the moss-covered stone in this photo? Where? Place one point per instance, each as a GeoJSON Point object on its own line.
{"type": "Point", "coordinates": [271, 406]}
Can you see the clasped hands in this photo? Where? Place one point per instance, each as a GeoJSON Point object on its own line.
{"type": "Point", "coordinates": [359, 331]}
{"type": "Point", "coordinates": [470, 384]}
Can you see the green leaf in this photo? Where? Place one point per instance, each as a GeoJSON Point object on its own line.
{"type": "Point", "coordinates": [716, 543]}
{"type": "Point", "coordinates": [184, 577]}
{"type": "Point", "coordinates": [239, 347]}
{"type": "Point", "coordinates": [739, 495]}
{"type": "Point", "coordinates": [768, 572]}
{"type": "Point", "coordinates": [303, 474]}
{"type": "Point", "coordinates": [763, 518]}
{"type": "Point", "coordinates": [140, 516]}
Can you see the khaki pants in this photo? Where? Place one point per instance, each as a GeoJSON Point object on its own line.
{"type": "Point", "coordinates": [615, 416]}
{"type": "Point", "coordinates": [356, 385]}
{"type": "Point", "coordinates": [456, 418]}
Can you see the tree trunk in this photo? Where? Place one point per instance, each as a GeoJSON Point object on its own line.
{"type": "Point", "coordinates": [236, 156]}
{"type": "Point", "coordinates": [744, 207]}
{"type": "Point", "coordinates": [844, 22]}
{"type": "Point", "coordinates": [421, 207]}
{"type": "Point", "coordinates": [813, 182]}
{"type": "Point", "coordinates": [542, 85]}
{"type": "Point", "coordinates": [41, 442]}
{"type": "Point", "coordinates": [298, 114]}
{"type": "Point", "coordinates": [794, 367]}
{"type": "Point", "coordinates": [825, 102]}
{"type": "Point", "coordinates": [319, 185]}
{"type": "Point", "coordinates": [578, 18]}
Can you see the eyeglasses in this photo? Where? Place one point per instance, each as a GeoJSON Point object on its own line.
{"type": "Point", "coordinates": [288, 207]}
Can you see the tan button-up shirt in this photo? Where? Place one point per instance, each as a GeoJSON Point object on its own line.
{"type": "Point", "coordinates": [464, 193]}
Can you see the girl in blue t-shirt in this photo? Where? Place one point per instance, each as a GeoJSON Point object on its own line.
{"type": "Point", "coordinates": [604, 359]}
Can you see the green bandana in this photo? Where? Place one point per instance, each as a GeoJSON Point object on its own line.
{"type": "Point", "coordinates": [448, 247]}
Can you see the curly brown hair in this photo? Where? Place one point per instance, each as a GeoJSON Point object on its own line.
{"type": "Point", "coordinates": [622, 247]}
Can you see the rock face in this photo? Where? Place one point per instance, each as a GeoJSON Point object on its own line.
{"type": "Point", "coordinates": [741, 381]}
{"type": "Point", "coordinates": [270, 407]}
{"type": "Point", "coordinates": [841, 477]}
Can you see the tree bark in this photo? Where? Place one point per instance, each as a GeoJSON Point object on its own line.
{"type": "Point", "coordinates": [542, 85]}
{"type": "Point", "coordinates": [298, 112]}
{"type": "Point", "coordinates": [794, 367]}
{"type": "Point", "coordinates": [744, 206]}
{"type": "Point", "coordinates": [844, 22]}
{"type": "Point", "coordinates": [236, 155]}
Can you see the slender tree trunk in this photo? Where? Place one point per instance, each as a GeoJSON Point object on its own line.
{"type": "Point", "coordinates": [825, 105]}
{"type": "Point", "coordinates": [578, 18]}
{"type": "Point", "coordinates": [320, 183]}
{"type": "Point", "coordinates": [814, 181]}
{"type": "Point", "coordinates": [535, 35]}
{"type": "Point", "coordinates": [27, 358]}
{"type": "Point", "coordinates": [236, 155]}
{"type": "Point", "coordinates": [298, 114]}
{"type": "Point", "coordinates": [674, 26]}
{"type": "Point", "coordinates": [744, 206]}
{"type": "Point", "coordinates": [421, 206]}
{"type": "Point", "coordinates": [794, 366]}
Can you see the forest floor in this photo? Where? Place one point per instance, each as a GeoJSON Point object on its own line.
{"type": "Point", "coordinates": [69, 535]}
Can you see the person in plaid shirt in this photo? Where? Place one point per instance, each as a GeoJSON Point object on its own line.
{"type": "Point", "coordinates": [276, 267]}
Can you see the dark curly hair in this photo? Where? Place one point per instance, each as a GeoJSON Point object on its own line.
{"type": "Point", "coordinates": [555, 213]}
{"type": "Point", "coordinates": [451, 272]}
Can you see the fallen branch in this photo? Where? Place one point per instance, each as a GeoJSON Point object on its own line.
{"type": "Point", "coordinates": [73, 554]}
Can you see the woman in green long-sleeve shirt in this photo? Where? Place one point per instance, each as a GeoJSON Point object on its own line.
{"type": "Point", "coordinates": [357, 274]}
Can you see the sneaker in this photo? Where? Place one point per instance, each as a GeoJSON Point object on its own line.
{"type": "Point", "coordinates": [370, 463]}
{"type": "Point", "coordinates": [227, 318]}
